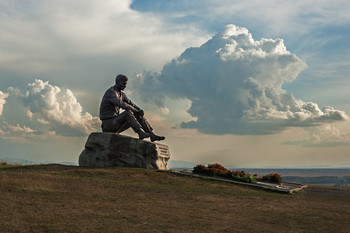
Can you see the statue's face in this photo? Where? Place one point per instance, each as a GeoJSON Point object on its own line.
{"type": "Point", "coordinates": [121, 84]}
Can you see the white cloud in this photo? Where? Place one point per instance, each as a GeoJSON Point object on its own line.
{"type": "Point", "coordinates": [325, 135]}
{"type": "Point", "coordinates": [19, 129]}
{"type": "Point", "coordinates": [235, 86]}
{"type": "Point", "coordinates": [3, 97]}
{"type": "Point", "coordinates": [51, 105]}
{"type": "Point", "coordinates": [165, 110]}
{"type": "Point", "coordinates": [16, 133]}
{"type": "Point", "coordinates": [42, 121]}
{"type": "Point", "coordinates": [29, 114]}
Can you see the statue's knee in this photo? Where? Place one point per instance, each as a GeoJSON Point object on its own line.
{"type": "Point", "coordinates": [130, 114]}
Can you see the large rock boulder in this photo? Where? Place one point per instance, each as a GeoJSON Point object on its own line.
{"type": "Point", "coordinates": [115, 150]}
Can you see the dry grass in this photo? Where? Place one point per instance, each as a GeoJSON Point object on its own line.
{"type": "Point", "coordinates": [56, 198]}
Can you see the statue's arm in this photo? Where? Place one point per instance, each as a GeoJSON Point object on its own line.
{"type": "Point", "coordinates": [129, 102]}
{"type": "Point", "coordinates": [113, 98]}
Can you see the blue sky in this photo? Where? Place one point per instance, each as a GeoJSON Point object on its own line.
{"type": "Point", "coordinates": [243, 83]}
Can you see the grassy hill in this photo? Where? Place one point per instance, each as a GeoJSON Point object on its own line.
{"type": "Point", "coordinates": [57, 198]}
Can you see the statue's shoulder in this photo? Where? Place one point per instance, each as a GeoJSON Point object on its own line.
{"type": "Point", "coordinates": [110, 90]}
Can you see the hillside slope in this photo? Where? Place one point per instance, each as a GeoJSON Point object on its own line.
{"type": "Point", "coordinates": [56, 198]}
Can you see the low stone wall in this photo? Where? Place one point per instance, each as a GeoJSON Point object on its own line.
{"type": "Point", "coordinates": [115, 150]}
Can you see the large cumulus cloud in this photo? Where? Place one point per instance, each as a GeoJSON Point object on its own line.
{"type": "Point", "coordinates": [56, 107]}
{"type": "Point", "coordinates": [235, 84]}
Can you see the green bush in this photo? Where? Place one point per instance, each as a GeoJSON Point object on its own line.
{"type": "Point", "coordinates": [272, 177]}
{"type": "Point", "coordinates": [220, 171]}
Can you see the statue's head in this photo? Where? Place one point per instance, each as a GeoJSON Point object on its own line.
{"type": "Point", "coordinates": [121, 81]}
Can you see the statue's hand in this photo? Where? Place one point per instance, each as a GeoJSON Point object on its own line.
{"type": "Point", "coordinates": [134, 110]}
{"type": "Point", "coordinates": [141, 113]}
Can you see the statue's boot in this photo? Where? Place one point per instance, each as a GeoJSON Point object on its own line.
{"type": "Point", "coordinates": [148, 129]}
{"type": "Point", "coordinates": [156, 137]}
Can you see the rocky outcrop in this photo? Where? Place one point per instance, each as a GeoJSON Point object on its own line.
{"type": "Point", "coordinates": [115, 150]}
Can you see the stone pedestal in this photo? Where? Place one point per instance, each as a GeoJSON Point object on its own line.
{"type": "Point", "coordinates": [115, 150]}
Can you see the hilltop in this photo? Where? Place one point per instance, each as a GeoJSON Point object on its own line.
{"type": "Point", "coordinates": [57, 198]}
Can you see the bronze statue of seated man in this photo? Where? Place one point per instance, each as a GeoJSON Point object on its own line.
{"type": "Point", "coordinates": [112, 121]}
